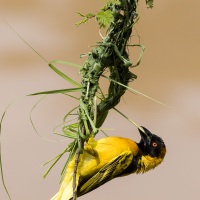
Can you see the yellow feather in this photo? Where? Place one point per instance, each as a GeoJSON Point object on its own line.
{"type": "Point", "coordinates": [103, 160]}
{"type": "Point", "coordinates": [96, 155]}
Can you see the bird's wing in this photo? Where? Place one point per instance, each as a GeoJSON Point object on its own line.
{"type": "Point", "coordinates": [109, 171]}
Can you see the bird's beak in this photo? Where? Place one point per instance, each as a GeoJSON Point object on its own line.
{"type": "Point", "coordinates": [146, 135]}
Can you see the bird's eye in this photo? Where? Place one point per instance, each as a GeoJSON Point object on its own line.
{"type": "Point", "coordinates": [154, 144]}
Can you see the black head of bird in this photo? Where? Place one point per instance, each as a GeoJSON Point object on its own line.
{"type": "Point", "coordinates": [152, 149]}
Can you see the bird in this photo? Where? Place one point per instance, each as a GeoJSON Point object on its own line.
{"type": "Point", "coordinates": [111, 157]}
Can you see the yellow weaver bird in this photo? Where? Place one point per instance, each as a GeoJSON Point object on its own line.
{"type": "Point", "coordinates": [111, 157]}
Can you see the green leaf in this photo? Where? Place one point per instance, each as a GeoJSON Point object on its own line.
{"type": "Point", "coordinates": [66, 63]}
{"type": "Point", "coordinates": [71, 131]}
{"type": "Point", "coordinates": [104, 18]}
{"type": "Point", "coordinates": [137, 92]}
{"type": "Point", "coordinates": [74, 147]}
{"type": "Point", "coordinates": [62, 91]}
{"type": "Point", "coordinates": [86, 18]}
{"type": "Point", "coordinates": [57, 158]}
{"type": "Point", "coordinates": [61, 74]}
{"type": "Point", "coordinates": [70, 134]}
{"type": "Point", "coordinates": [84, 107]}
{"type": "Point", "coordinates": [65, 117]}
{"type": "Point", "coordinates": [141, 53]}
{"type": "Point", "coordinates": [149, 3]}
{"type": "Point", "coordinates": [116, 2]}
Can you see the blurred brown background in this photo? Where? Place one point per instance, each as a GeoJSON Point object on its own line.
{"type": "Point", "coordinates": [169, 72]}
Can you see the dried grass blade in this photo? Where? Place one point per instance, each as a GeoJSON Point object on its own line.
{"type": "Point", "coordinates": [1, 165]}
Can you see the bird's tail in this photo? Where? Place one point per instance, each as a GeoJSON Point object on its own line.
{"type": "Point", "coordinates": [66, 189]}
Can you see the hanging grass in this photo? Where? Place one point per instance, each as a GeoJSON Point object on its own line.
{"type": "Point", "coordinates": [110, 55]}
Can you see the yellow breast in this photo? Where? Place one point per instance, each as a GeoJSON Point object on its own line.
{"type": "Point", "coordinates": [147, 163]}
